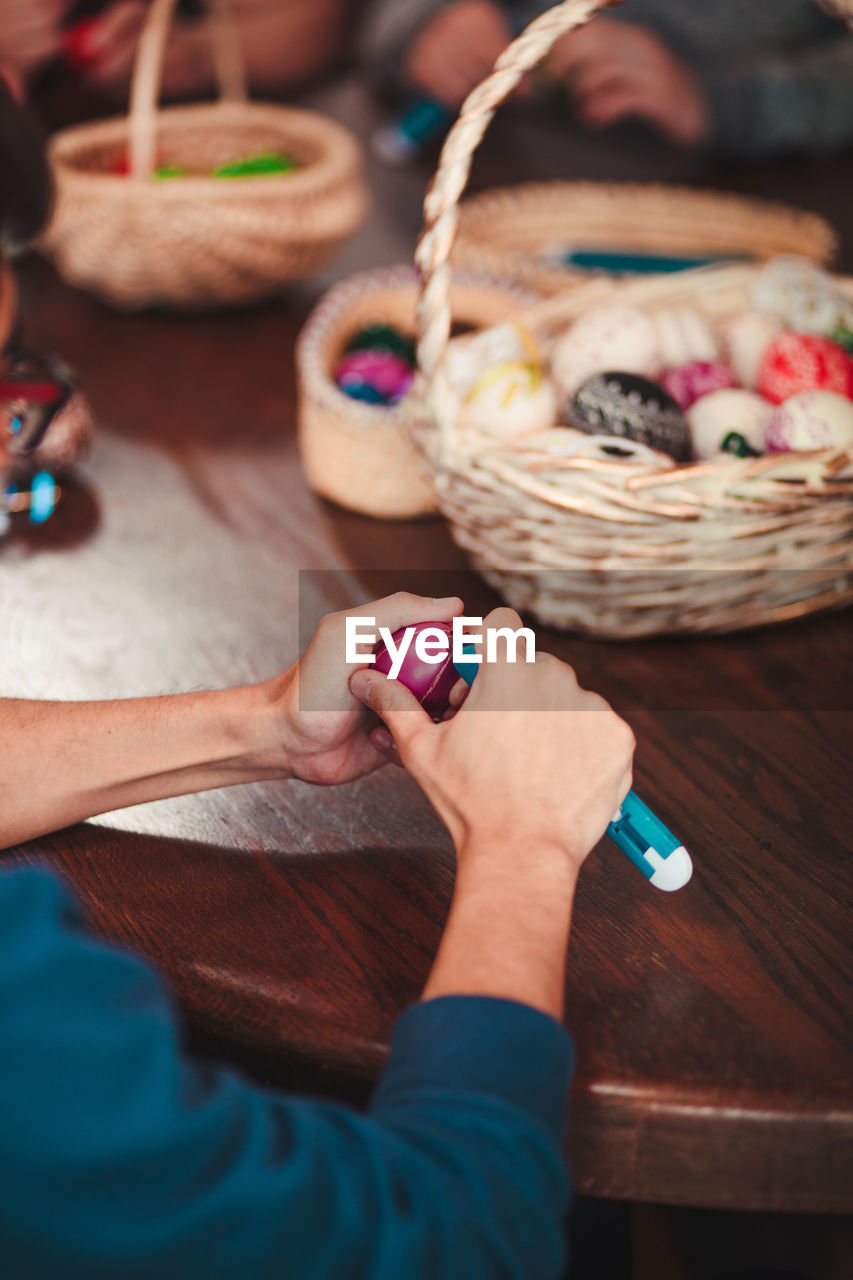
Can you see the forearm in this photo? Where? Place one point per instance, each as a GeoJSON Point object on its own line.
{"type": "Point", "coordinates": [508, 929]}
{"type": "Point", "coordinates": [67, 761]}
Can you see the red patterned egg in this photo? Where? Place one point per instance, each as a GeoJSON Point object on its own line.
{"type": "Point", "coordinates": [797, 362]}
{"type": "Point", "coordinates": [688, 382]}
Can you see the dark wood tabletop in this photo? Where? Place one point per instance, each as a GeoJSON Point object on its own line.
{"type": "Point", "coordinates": [715, 1057]}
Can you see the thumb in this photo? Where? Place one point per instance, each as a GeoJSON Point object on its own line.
{"type": "Point", "coordinates": [392, 702]}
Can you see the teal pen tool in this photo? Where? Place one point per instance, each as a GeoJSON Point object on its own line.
{"type": "Point", "coordinates": [39, 500]}
{"type": "Point", "coordinates": [635, 830]}
{"type": "Point", "coordinates": [613, 262]}
{"type": "Point", "coordinates": [404, 140]}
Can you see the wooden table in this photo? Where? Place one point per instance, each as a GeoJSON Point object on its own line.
{"type": "Point", "coordinates": [712, 1026]}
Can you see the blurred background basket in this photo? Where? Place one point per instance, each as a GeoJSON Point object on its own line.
{"type": "Point", "coordinates": [523, 231]}
{"type": "Point", "coordinates": [611, 547]}
{"type": "Point", "coordinates": [362, 456]}
{"type": "Point", "coordinates": [197, 240]}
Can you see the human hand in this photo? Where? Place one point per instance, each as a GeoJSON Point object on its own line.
{"type": "Point", "coordinates": [454, 52]}
{"type": "Point", "coordinates": [330, 746]}
{"type": "Point", "coordinates": [112, 40]}
{"type": "Point", "coordinates": [618, 69]}
{"type": "Point", "coordinates": [530, 761]}
{"type": "Point", "coordinates": [31, 33]}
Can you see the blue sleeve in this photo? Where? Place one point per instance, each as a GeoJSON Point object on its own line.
{"type": "Point", "coordinates": [119, 1158]}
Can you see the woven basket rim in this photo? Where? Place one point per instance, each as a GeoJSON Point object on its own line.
{"type": "Point", "coordinates": [554, 189]}
{"type": "Point", "coordinates": [341, 144]}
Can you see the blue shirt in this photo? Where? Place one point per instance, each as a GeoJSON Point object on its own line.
{"type": "Point", "coordinates": [120, 1158]}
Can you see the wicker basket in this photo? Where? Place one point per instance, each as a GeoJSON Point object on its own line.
{"type": "Point", "coordinates": [521, 231]}
{"type": "Point", "coordinates": [137, 241]}
{"type": "Point", "coordinates": [615, 548]}
{"type": "Point", "coordinates": [360, 455]}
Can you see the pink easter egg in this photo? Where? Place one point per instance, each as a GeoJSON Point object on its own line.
{"type": "Point", "coordinates": [382, 370]}
{"type": "Point", "coordinates": [430, 682]}
{"type": "Point", "coordinates": [688, 382]}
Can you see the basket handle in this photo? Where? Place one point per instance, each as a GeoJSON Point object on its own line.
{"type": "Point", "coordinates": [148, 75]}
{"type": "Point", "coordinates": [441, 204]}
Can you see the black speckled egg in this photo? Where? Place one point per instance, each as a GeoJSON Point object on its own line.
{"type": "Point", "coordinates": [625, 404]}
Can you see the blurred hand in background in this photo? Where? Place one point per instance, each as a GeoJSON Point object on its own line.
{"type": "Point", "coordinates": [617, 70]}
{"type": "Point", "coordinates": [457, 49]}
{"type": "Point", "coordinates": [284, 42]}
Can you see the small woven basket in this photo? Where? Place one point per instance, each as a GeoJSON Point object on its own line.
{"type": "Point", "coordinates": [360, 455]}
{"type": "Point", "coordinates": [138, 241]}
{"type": "Point", "coordinates": [523, 231]}
{"type": "Point", "coordinates": [618, 548]}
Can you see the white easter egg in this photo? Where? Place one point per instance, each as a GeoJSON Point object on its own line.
{"type": "Point", "coordinates": [719, 414]}
{"type": "Point", "coordinates": [744, 338]}
{"type": "Point", "coordinates": [472, 355]}
{"type": "Point", "coordinates": [683, 335]}
{"type": "Point", "coordinates": [808, 297]}
{"type": "Point", "coordinates": [605, 338]}
{"type": "Point", "coordinates": [811, 420]}
{"type": "Point", "coordinates": [510, 402]}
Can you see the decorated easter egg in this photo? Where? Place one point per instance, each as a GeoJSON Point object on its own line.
{"type": "Point", "coordinates": [69, 437]}
{"type": "Point", "coordinates": [509, 402]}
{"type": "Point", "coordinates": [797, 362]}
{"type": "Point", "coordinates": [605, 338]}
{"type": "Point", "coordinates": [471, 356]}
{"type": "Point", "coordinates": [683, 335]}
{"type": "Point", "coordinates": [624, 404]}
{"type": "Point", "coordinates": [808, 297]}
{"type": "Point", "coordinates": [811, 420]}
{"type": "Point", "coordinates": [430, 682]}
{"type": "Point", "coordinates": [689, 382]}
{"type": "Point", "coordinates": [745, 337]}
{"type": "Point", "coordinates": [730, 411]}
{"type": "Point", "coordinates": [390, 376]}
{"type": "Point", "coordinates": [359, 390]}
{"type": "Point", "coordinates": [383, 337]}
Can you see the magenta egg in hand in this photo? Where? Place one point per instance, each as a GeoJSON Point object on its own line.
{"type": "Point", "coordinates": [430, 682]}
{"type": "Point", "coordinates": [687, 383]}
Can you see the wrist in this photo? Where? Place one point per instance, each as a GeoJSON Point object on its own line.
{"type": "Point", "coordinates": [262, 729]}
{"type": "Point", "coordinates": [540, 864]}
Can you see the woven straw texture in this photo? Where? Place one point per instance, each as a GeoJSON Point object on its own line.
{"type": "Point", "coordinates": [359, 455]}
{"type": "Point", "coordinates": [521, 231]}
{"type": "Point", "coordinates": [138, 241]}
{"type": "Point", "coordinates": [614, 548]}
